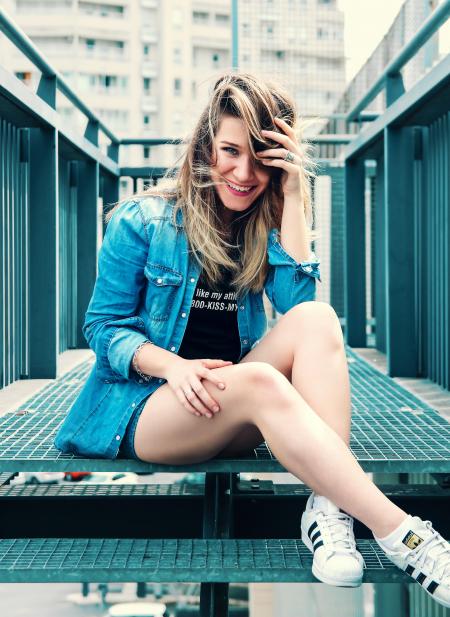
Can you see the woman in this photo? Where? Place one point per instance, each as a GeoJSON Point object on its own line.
{"type": "Point", "coordinates": [177, 323]}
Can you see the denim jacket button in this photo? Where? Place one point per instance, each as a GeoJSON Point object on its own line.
{"type": "Point", "coordinates": [117, 437]}
{"type": "Point", "coordinates": [242, 307]}
{"type": "Point", "coordinates": [245, 341]}
{"type": "Point", "coordinates": [183, 314]}
{"type": "Point", "coordinates": [133, 404]}
{"type": "Point", "coordinates": [159, 280]}
{"type": "Point", "coordinates": [141, 381]}
{"type": "Point", "coordinates": [172, 348]}
{"type": "Point", "coordinates": [192, 280]}
{"type": "Point", "coordinates": [307, 269]}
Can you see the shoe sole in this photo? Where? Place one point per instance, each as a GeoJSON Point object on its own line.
{"type": "Point", "coordinates": [324, 577]}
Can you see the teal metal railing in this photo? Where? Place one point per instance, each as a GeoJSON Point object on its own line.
{"type": "Point", "coordinates": [54, 218]}
{"type": "Point", "coordinates": [408, 146]}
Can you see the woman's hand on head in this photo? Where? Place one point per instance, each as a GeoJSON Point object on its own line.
{"type": "Point", "coordinates": [184, 378]}
{"type": "Point", "coordinates": [275, 157]}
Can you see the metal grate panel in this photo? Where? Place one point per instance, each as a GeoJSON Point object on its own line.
{"type": "Point", "coordinates": [392, 431]}
{"type": "Point", "coordinates": [86, 489]}
{"type": "Point", "coordinates": [196, 560]}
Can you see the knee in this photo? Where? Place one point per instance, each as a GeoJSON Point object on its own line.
{"type": "Point", "coordinates": [318, 320]}
{"type": "Point", "coordinates": [265, 382]}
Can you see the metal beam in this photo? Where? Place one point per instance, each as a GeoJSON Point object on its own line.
{"type": "Point", "coordinates": [44, 260]}
{"type": "Point", "coordinates": [401, 343]}
{"type": "Point", "coordinates": [438, 17]}
{"type": "Point", "coordinates": [426, 100]}
{"type": "Point", "coordinates": [33, 111]}
{"type": "Point", "coordinates": [354, 254]}
{"type": "Point", "coordinates": [88, 190]}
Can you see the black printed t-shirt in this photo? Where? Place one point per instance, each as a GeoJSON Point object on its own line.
{"type": "Point", "coordinates": [212, 328]}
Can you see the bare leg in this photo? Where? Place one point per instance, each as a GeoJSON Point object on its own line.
{"type": "Point", "coordinates": [259, 395]}
{"type": "Point", "coordinates": [307, 347]}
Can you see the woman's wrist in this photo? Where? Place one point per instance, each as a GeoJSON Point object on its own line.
{"type": "Point", "coordinates": [149, 360]}
{"type": "Point", "coordinates": [135, 361]}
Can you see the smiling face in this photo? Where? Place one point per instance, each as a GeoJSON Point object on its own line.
{"type": "Point", "coordinates": [240, 179]}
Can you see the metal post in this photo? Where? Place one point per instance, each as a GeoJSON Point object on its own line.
{"type": "Point", "coordinates": [354, 253]}
{"type": "Point", "coordinates": [234, 35]}
{"type": "Point", "coordinates": [43, 264]}
{"type": "Point", "coordinates": [216, 524]}
{"type": "Point", "coordinates": [110, 193]}
{"type": "Point", "coordinates": [379, 291]}
{"type": "Point", "coordinates": [88, 191]}
{"type": "Point", "coordinates": [401, 340]}
{"type": "Point", "coordinates": [391, 599]}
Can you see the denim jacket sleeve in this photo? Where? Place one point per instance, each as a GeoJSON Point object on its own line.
{"type": "Point", "coordinates": [112, 328]}
{"type": "Point", "coordinates": [289, 283]}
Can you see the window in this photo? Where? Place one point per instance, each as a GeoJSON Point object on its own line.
{"type": "Point", "coordinates": [146, 50]}
{"type": "Point", "coordinates": [90, 43]}
{"type": "Point", "coordinates": [268, 28]}
{"type": "Point", "coordinates": [200, 17]}
{"type": "Point", "coordinates": [146, 119]}
{"type": "Point", "coordinates": [177, 86]}
{"type": "Point", "coordinates": [177, 55]}
{"type": "Point", "coordinates": [108, 81]}
{"type": "Point", "coordinates": [146, 152]}
{"type": "Point", "coordinates": [147, 85]}
{"type": "Point", "coordinates": [25, 76]}
{"type": "Point", "coordinates": [222, 20]}
{"type": "Point", "coordinates": [215, 60]}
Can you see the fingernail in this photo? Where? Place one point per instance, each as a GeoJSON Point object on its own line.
{"type": "Point", "coordinates": [209, 415]}
{"type": "Point", "coordinates": [216, 408]}
{"type": "Point", "coordinates": [222, 385]}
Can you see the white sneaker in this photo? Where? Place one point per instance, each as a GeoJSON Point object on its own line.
{"type": "Point", "coordinates": [423, 554]}
{"type": "Point", "coordinates": [328, 533]}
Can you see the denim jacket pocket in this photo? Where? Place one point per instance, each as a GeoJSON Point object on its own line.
{"type": "Point", "coordinates": [163, 285]}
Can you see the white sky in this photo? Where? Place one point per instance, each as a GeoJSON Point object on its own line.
{"type": "Point", "coordinates": [366, 22]}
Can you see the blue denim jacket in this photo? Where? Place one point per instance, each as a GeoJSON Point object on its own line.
{"type": "Point", "coordinates": [144, 289]}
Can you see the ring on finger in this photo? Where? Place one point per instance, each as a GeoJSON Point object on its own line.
{"type": "Point", "coordinates": [290, 157]}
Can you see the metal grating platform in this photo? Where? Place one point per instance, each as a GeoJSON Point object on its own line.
{"type": "Point", "coordinates": [392, 431]}
{"type": "Point", "coordinates": [196, 560]}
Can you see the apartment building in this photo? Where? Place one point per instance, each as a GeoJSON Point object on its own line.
{"type": "Point", "coordinates": [147, 66]}
{"type": "Point", "coordinates": [298, 42]}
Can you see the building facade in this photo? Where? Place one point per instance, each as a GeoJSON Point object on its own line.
{"type": "Point", "coordinates": [147, 66]}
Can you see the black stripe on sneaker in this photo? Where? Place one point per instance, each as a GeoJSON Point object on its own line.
{"type": "Point", "coordinates": [315, 536]}
{"type": "Point", "coordinates": [409, 570]}
{"type": "Point", "coordinates": [311, 529]}
{"type": "Point", "coordinates": [316, 546]}
{"type": "Point", "coordinates": [421, 578]}
{"type": "Point", "coordinates": [432, 587]}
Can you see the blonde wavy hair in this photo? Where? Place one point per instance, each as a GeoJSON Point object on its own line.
{"type": "Point", "coordinates": [242, 249]}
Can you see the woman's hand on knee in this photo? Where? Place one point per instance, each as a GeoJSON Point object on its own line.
{"type": "Point", "coordinates": [184, 378]}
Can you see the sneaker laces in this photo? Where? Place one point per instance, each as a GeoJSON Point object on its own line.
{"type": "Point", "coordinates": [432, 552]}
{"type": "Point", "coordinates": [340, 531]}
